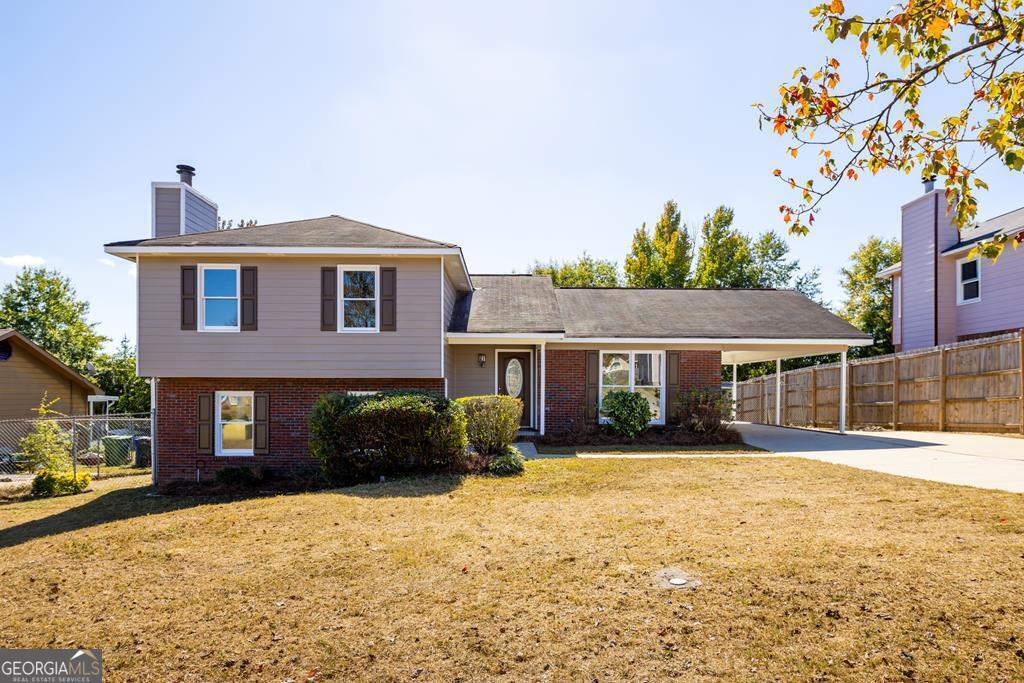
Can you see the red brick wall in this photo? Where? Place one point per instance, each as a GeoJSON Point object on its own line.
{"type": "Point", "coordinates": [290, 403]}
{"type": "Point", "coordinates": [565, 388]}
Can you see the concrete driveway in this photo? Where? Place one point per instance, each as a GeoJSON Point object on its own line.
{"type": "Point", "coordinates": [994, 462]}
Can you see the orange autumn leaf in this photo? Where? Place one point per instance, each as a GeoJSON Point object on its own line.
{"type": "Point", "coordinates": [837, 6]}
{"type": "Point", "coordinates": [937, 27]}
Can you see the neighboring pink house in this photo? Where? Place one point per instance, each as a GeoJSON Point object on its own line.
{"type": "Point", "coordinates": [941, 296]}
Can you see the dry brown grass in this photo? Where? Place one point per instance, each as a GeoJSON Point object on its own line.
{"type": "Point", "coordinates": [810, 571]}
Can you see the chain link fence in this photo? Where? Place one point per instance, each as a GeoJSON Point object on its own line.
{"type": "Point", "coordinates": [102, 445]}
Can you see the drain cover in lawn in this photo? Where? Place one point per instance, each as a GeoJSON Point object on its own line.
{"type": "Point", "coordinates": [674, 578]}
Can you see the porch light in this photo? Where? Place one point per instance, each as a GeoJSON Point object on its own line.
{"type": "Point", "coordinates": [481, 359]}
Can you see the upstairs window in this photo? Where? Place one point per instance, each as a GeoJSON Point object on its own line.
{"type": "Point", "coordinates": [968, 281]}
{"type": "Point", "coordinates": [219, 301]}
{"type": "Point", "coordinates": [359, 298]}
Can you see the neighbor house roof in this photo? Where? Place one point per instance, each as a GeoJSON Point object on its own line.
{"type": "Point", "coordinates": [329, 231]}
{"type": "Point", "coordinates": [48, 358]}
{"type": "Point", "coordinates": [505, 304]}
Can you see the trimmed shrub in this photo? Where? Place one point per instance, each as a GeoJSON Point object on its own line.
{"type": "Point", "coordinates": [509, 462]}
{"type": "Point", "coordinates": [492, 422]}
{"type": "Point", "coordinates": [704, 411]}
{"type": "Point", "coordinates": [628, 411]}
{"type": "Point", "coordinates": [57, 483]}
{"type": "Point", "coordinates": [239, 476]}
{"type": "Point", "coordinates": [360, 438]}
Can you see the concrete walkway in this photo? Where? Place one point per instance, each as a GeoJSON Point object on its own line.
{"type": "Point", "coordinates": [994, 462]}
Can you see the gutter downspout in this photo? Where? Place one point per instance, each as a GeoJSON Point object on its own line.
{"type": "Point", "coordinates": [543, 381]}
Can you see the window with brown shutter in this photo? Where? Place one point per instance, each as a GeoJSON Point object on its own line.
{"type": "Point", "coordinates": [329, 299]}
{"type": "Point", "coordinates": [189, 299]}
{"type": "Point", "coordinates": [593, 382]}
{"type": "Point", "coordinates": [248, 298]}
{"type": "Point", "coordinates": [204, 423]}
{"type": "Point", "coordinates": [672, 391]}
{"type": "Point", "coordinates": [261, 423]}
{"type": "Point", "coordinates": [388, 299]}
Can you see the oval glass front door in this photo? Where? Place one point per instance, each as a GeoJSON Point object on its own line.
{"type": "Point", "coordinates": [514, 377]}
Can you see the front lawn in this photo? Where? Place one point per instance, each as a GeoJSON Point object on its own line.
{"type": "Point", "coordinates": [810, 571]}
{"type": "Point", "coordinates": [663, 449]}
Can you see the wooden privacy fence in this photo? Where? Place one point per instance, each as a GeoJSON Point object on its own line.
{"type": "Point", "coordinates": [968, 386]}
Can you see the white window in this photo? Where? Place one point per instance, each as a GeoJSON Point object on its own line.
{"type": "Point", "coordinates": [219, 303]}
{"type": "Point", "coordinates": [358, 298]}
{"type": "Point", "coordinates": [234, 422]}
{"type": "Point", "coordinates": [639, 371]}
{"type": "Point", "coordinates": [968, 281]}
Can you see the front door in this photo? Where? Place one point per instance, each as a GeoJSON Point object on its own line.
{"type": "Point", "coordinates": [514, 380]}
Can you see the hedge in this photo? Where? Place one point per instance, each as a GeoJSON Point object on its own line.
{"type": "Point", "coordinates": [492, 422]}
{"type": "Point", "coordinates": [360, 438]}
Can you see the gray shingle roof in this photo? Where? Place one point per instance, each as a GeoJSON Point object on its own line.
{"type": "Point", "coordinates": [508, 303]}
{"type": "Point", "coordinates": [721, 313]}
{"type": "Point", "coordinates": [329, 231]}
{"type": "Point", "coordinates": [523, 303]}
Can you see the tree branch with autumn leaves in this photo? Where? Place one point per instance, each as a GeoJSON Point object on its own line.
{"type": "Point", "coordinates": [875, 125]}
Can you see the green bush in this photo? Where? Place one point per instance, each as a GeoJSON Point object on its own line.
{"type": "Point", "coordinates": [508, 463]}
{"type": "Point", "coordinates": [48, 445]}
{"type": "Point", "coordinates": [704, 411]}
{"type": "Point", "coordinates": [239, 476]}
{"type": "Point", "coordinates": [359, 438]}
{"type": "Point", "coordinates": [492, 422]}
{"type": "Point", "coordinates": [628, 411]}
{"type": "Point", "coordinates": [57, 483]}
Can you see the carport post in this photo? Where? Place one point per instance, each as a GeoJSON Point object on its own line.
{"type": "Point", "coordinates": [735, 409]}
{"type": "Point", "coordinates": [778, 392]}
{"type": "Point", "coordinates": [842, 393]}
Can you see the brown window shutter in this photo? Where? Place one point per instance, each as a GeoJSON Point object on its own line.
{"type": "Point", "coordinates": [329, 299]}
{"type": "Point", "coordinates": [261, 423]}
{"type": "Point", "coordinates": [672, 390]}
{"type": "Point", "coordinates": [204, 423]}
{"type": "Point", "coordinates": [593, 376]}
{"type": "Point", "coordinates": [388, 299]}
{"type": "Point", "coordinates": [249, 291]}
{"type": "Point", "coordinates": [189, 297]}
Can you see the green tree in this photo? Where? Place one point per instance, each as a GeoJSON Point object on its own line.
{"type": "Point", "coordinates": [43, 306]}
{"type": "Point", "coordinates": [770, 265]}
{"type": "Point", "coordinates": [966, 52]}
{"type": "Point", "coordinates": [585, 271]}
{"type": "Point", "coordinates": [868, 304]}
{"type": "Point", "coordinates": [115, 373]}
{"type": "Point", "coordinates": [724, 255]}
{"type": "Point", "coordinates": [664, 258]}
{"type": "Point", "coordinates": [47, 446]}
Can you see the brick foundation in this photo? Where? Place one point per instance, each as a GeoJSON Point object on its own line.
{"type": "Point", "coordinates": [565, 388]}
{"type": "Point", "coordinates": [291, 401]}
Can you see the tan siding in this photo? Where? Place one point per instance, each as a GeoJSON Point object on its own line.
{"type": "Point", "coordinates": [24, 378]}
{"type": "Point", "coordinates": [289, 342]}
{"type": "Point", "coordinates": [449, 350]}
{"type": "Point", "coordinates": [470, 378]}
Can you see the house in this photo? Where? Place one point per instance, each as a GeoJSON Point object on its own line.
{"type": "Point", "coordinates": [242, 330]}
{"type": "Point", "coordinates": [940, 294]}
{"type": "Point", "coordinates": [27, 372]}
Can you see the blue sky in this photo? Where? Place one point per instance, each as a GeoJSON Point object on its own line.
{"type": "Point", "coordinates": [517, 130]}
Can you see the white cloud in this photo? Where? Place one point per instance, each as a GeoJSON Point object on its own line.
{"type": "Point", "coordinates": [21, 260]}
{"type": "Point", "coordinates": [109, 263]}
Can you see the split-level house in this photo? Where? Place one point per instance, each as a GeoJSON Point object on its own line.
{"type": "Point", "coordinates": [940, 293]}
{"type": "Point", "coordinates": [240, 331]}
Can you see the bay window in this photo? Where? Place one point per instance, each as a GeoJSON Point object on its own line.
{"type": "Point", "coordinates": [642, 372]}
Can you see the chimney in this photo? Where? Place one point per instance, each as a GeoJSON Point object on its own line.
{"type": "Point", "coordinates": [929, 183]}
{"type": "Point", "coordinates": [186, 173]}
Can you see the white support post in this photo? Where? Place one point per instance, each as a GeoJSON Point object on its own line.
{"type": "Point", "coordinates": [842, 393]}
{"type": "Point", "coordinates": [778, 392]}
{"type": "Point", "coordinates": [543, 381]}
{"type": "Point", "coordinates": [735, 406]}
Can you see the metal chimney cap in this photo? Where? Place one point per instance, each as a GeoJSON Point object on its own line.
{"type": "Point", "coordinates": [929, 183]}
{"type": "Point", "coordinates": [185, 173]}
